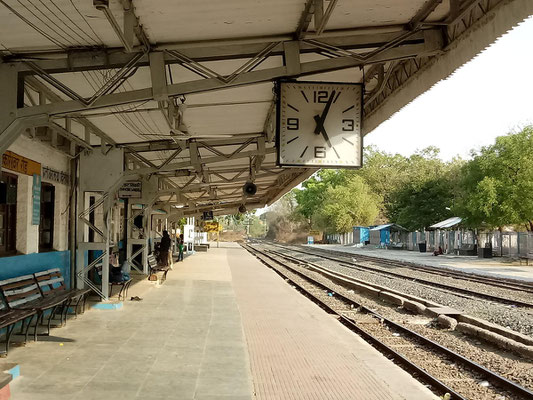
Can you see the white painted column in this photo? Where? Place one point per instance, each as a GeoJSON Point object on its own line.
{"type": "Point", "coordinates": [27, 241]}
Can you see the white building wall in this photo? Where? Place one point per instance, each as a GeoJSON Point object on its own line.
{"type": "Point", "coordinates": [28, 234]}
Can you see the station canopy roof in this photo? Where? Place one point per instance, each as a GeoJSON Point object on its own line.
{"type": "Point", "coordinates": [186, 87]}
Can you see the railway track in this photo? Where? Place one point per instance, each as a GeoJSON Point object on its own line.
{"type": "Point", "coordinates": [347, 262]}
{"type": "Point", "coordinates": [356, 317]}
{"type": "Point", "coordinates": [504, 283]}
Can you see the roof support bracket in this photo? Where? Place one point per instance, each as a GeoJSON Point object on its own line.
{"type": "Point", "coordinates": [159, 76]}
{"type": "Point", "coordinates": [291, 53]}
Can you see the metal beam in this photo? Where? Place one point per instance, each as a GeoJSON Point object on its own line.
{"type": "Point", "coordinates": [213, 50]}
{"type": "Point", "coordinates": [207, 160]}
{"type": "Point", "coordinates": [432, 43]}
{"type": "Point", "coordinates": [65, 132]}
{"type": "Point", "coordinates": [424, 12]}
{"type": "Point", "coordinates": [305, 19]}
{"type": "Point", "coordinates": [163, 145]}
{"type": "Point", "coordinates": [325, 18]}
{"type": "Point", "coordinates": [104, 7]}
{"type": "Point", "coordinates": [46, 93]}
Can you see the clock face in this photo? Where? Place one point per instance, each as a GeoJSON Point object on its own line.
{"type": "Point", "coordinates": [319, 124]}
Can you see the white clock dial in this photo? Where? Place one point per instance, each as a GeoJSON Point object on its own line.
{"type": "Point", "coordinates": [319, 124]}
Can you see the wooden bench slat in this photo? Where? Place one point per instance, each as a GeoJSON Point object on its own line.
{"type": "Point", "coordinates": [16, 279]}
{"type": "Point", "coordinates": [50, 281]}
{"type": "Point", "coordinates": [24, 300]}
{"type": "Point", "coordinates": [24, 289]}
{"type": "Point", "coordinates": [48, 276]}
{"type": "Point", "coordinates": [47, 272]}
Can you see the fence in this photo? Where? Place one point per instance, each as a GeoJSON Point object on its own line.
{"type": "Point", "coordinates": [504, 244]}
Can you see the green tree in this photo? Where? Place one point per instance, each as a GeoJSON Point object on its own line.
{"type": "Point", "coordinates": [347, 205]}
{"type": "Point", "coordinates": [427, 194]}
{"type": "Point", "coordinates": [312, 195]}
{"type": "Point", "coordinates": [497, 185]}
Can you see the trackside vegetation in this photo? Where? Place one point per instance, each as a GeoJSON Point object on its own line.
{"type": "Point", "coordinates": [494, 188]}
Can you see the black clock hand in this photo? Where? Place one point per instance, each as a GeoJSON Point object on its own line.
{"type": "Point", "coordinates": [322, 130]}
{"type": "Point", "coordinates": [324, 114]}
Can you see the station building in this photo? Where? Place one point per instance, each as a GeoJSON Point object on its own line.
{"type": "Point", "coordinates": [120, 118]}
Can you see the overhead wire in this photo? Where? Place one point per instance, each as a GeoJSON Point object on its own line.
{"type": "Point", "coordinates": [63, 32]}
{"type": "Point", "coordinates": [35, 27]}
{"type": "Point", "coordinates": [72, 22]}
{"type": "Point", "coordinates": [137, 126]}
{"type": "Point", "coordinates": [58, 22]}
{"type": "Point", "coordinates": [93, 82]}
{"type": "Point", "coordinates": [70, 41]}
{"type": "Point", "coordinates": [86, 22]}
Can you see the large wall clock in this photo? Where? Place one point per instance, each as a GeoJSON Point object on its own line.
{"type": "Point", "coordinates": [319, 124]}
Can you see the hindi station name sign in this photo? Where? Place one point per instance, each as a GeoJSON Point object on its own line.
{"type": "Point", "coordinates": [23, 165]}
{"type": "Point", "coordinates": [131, 190]}
{"type": "Point", "coordinates": [56, 176]}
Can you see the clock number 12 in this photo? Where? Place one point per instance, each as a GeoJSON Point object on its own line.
{"type": "Point", "coordinates": [320, 96]}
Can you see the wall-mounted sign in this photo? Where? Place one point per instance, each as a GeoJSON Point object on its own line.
{"type": "Point", "coordinates": [208, 216]}
{"type": "Point", "coordinates": [56, 176]}
{"type": "Point", "coordinates": [36, 191]}
{"type": "Point", "coordinates": [131, 190]}
{"type": "Point", "coordinates": [17, 163]}
{"type": "Point", "coordinates": [188, 233]}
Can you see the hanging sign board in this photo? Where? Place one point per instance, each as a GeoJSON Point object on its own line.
{"type": "Point", "coordinates": [36, 213]}
{"type": "Point", "coordinates": [211, 227]}
{"type": "Point", "coordinates": [131, 190]}
{"type": "Point", "coordinates": [23, 165]}
{"type": "Point", "coordinates": [208, 216]}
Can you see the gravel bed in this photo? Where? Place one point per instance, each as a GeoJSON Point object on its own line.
{"type": "Point", "coordinates": [456, 282]}
{"type": "Point", "coordinates": [518, 319]}
{"type": "Point", "coordinates": [463, 381]}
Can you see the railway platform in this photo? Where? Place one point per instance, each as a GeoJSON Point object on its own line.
{"type": "Point", "coordinates": [222, 326]}
{"type": "Point", "coordinates": [497, 267]}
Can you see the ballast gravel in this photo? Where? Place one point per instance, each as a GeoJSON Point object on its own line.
{"type": "Point", "coordinates": [516, 318]}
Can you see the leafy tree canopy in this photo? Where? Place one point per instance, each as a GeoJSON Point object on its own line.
{"type": "Point", "coordinates": [347, 205]}
{"type": "Point", "coordinates": [497, 185]}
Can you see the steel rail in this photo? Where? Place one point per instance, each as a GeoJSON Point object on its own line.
{"type": "Point", "coordinates": [492, 376]}
{"type": "Point", "coordinates": [351, 264]}
{"type": "Point", "coordinates": [505, 283]}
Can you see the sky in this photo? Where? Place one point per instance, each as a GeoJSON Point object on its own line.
{"type": "Point", "coordinates": [488, 97]}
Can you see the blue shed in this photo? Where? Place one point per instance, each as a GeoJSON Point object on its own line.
{"type": "Point", "coordinates": [381, 235]}
{"type": "Point", "coordinates": [361, 235]}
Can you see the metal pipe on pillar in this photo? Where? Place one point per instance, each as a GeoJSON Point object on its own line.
{"type": "Point", "coordinates": [72, 219]}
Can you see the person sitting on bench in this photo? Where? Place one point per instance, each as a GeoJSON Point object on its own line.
{"type": "Point", "coordinates": [438, 252]}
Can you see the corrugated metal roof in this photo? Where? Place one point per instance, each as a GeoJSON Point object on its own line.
{"type": "Point", "coordinates": [380, 227]}
{"type": "Point", "coordinates": [447, 223]}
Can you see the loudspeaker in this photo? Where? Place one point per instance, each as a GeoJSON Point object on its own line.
{"type": "Point", "coordinates": [249, 189]}
{"type": "Point", "coordinates": [242, 208]}
{"type": "Point", "coordinates": [101, 4]}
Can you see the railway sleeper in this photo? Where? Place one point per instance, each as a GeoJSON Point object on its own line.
{"type": "Point", "coordinates": [496, 339]}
